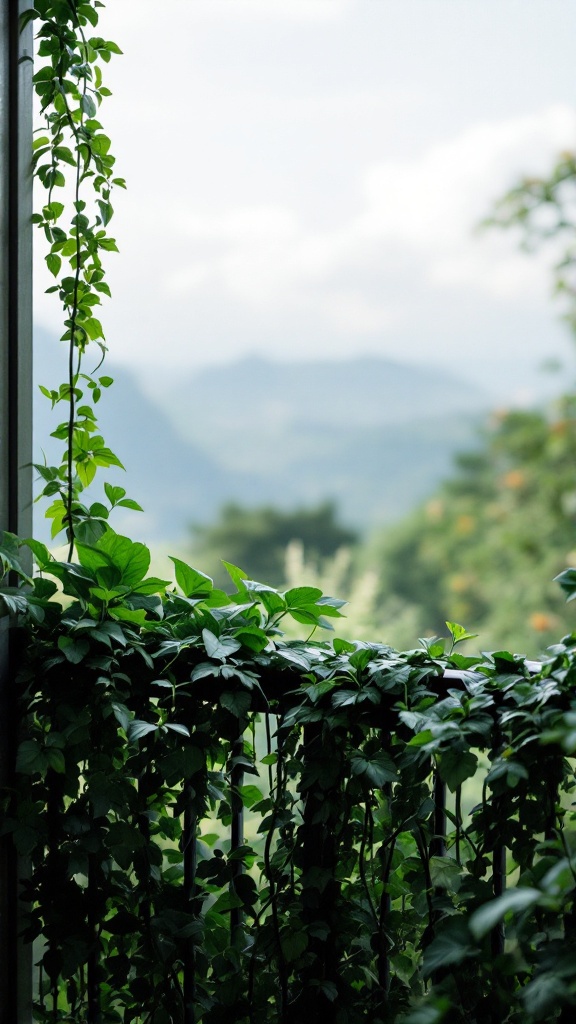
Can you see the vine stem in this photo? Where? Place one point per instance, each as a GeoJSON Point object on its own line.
{"type": "Point", "coordinates": [72, 372]}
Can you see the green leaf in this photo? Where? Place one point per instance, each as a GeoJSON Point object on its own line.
{"type": "Point", "coordinates": [130, 503]}
{"type": "Point", "coordinates": [378, 769]}
{"type": "Point", "coordinates": [182, 730]}
{"type": "Point", "coordinates": [53, 262]}
{"type": "Point", "coordinates": [191, 582]}
{"type": "Point", "coordinates": [567, 580]}
{"type": "Point", "coordinates": [450, 947]}
{"type": "Point", "coordinates": [73, 650]}
{"type": "Point", "coordinates": [430, 1013]}
{"type": "Point", "coordinates": [130, 557]}
{"type": "Point", "coordinates": [459, 633]}
{"type": "Point", "coordinates": [300, 597]}
{"type": "Point", "coordinates": [294, 944]}
{"type": "Point", "coordinates": [236, 575]}
{"type": "Point", "coordinates": [514, 901]}
{"type": "Point", "coordinates": [272, 602]}
{"type": "Point", "coordinates": [455, 766]}
{"type": "Point", "coordinates": [88, 105]}
{"type": "Point", "coordinates": [227, 901]}
{"type": "Point", "coordinates": [137, 729]}
{"type": "Point", "coordinates": [237, 703]}
{"type": "Point", "coordinates": [219, 648]}
{"type": "Point", "coordinates": [250, 795]}
{"type": "Point", "coordinates": [56, 760]}
{"type": "Point", "coordinates": [445, 873]}
{"type": "Point", "coordinates": [122, 715]}
{"type": "Point", "coordinates": [30, 758]}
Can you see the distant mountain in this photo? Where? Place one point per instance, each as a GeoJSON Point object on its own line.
{"type": "Point", "coordinates": [172, 479]}
{"type": "Point", "coordinates": [374, 436]}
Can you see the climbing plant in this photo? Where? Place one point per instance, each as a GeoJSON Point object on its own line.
{"type": "Point", "coordinates": [72, 143]}
{"type": "Point", "coordinates": [223, 825]}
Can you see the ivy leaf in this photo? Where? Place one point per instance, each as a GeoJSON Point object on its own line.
{"type": "Point", "coordinates": [300, 597]}
{"type": "Point", "coordinates": [130, 557]}
{"type": "Point", "coordinates": [219, 648]}
{"type": "Point", "coordinates": [56, 760]}
{"type": "Point", "coordinates": [514, 900]}
{"type": "Point", "coordinates": [237, 703]}
{"type": "Point", "coordinates": [294, 944]}
{"type": "Point", "coordinates": [227, 901]}
{"type": "Point", "coordinates": [182, 730]}
{"type": "Point", "coordinates": [192, 583]}
{"type": "Point", "coordinates": [378, 770]}
{"type": "Point", "coordinates": [567, 580]}
{"type": "Point", "coordinates": [137, 729]}
{"type": "Point", "coordinates": [88, 105]}
{"type": "Point", "coordinates": [122, 715]}
{"type": "Point", "coordinates": [73, 650]}
{"type": "Point", "coordinates": [30, 758]}
{"type": "Point", "coordinates": [450, 947]}
{"type": "Point", "coordinates": [236, 575]}
{"type": "Point", "coordinates": [53, 262]}
{"type": "Point", "coordinates": [250, 795]}
{"type": "Point", "coordinates": [459, 633]}
{"type": "Point", "coordinates": [455, 766]}
{"type": "Point", "coordinates": [445, 873]}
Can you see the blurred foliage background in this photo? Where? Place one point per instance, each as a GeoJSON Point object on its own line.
{"type": "Point", "coordinates": [485, 548]}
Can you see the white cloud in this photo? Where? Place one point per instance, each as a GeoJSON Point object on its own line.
{"type": "Point", "coordinates": [417, 220]}
{"type": "Point", "coordinates": [188, 12]}
{"type": "Point", "coordinates": [283, 10]}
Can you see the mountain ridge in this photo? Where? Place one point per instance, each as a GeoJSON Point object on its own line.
{"type": "Point", "coordinates": [373, 436]}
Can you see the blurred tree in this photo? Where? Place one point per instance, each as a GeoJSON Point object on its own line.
{"type": "Point", "coordinates": [484, 550]}
{"type": "Point", "coordinates": [256, 539]}
{"type": "Point", "coordinates": [544, 209]}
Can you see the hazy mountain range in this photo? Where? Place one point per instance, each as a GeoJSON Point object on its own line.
{"type": "Point", "coordinates": [373, 435]}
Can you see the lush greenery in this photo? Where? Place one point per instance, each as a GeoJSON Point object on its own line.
{"type": "Point", "coordinates": [486, 547]}
{"type": "Point", "coordinates": [154, 716]}
{"type": "Point", "coordinates": [350, 898]}
{"type": "Point", "coordinates": [70, 90]}
{"type": "Point", "coordinates": [507, 514]}
{"type": "Point", "coordinates": [257, 539]}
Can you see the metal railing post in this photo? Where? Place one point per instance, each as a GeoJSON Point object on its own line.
{"type": "Point", "coordinates": [15, 441]}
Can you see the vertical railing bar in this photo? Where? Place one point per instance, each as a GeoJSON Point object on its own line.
{"type": "Point", "coordinates": [458, 816]}
{"type": "Point", "coordinates": [498, 934]}
{"type": "Point", "coordinates": [236, 827]}
{"type": "Point", "coordinates": [438, 842]}
{"type": "Point", "coordinates": [190, 858]}
{"type": "Point", "coordinates": [93, 988]}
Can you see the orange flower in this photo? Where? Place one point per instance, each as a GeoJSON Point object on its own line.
{"type": "Point", "coordinates": [541, 622]}
{"type": "Point", "coordinates": [514, 479]}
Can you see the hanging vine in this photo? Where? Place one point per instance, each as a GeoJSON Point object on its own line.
{"type": "Point", "coordinates": [72, 157]}
{"type": "Point", "coordinates": [350, 899]}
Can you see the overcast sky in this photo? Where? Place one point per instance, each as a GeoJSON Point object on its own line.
{"type": "Point", "coordinates": [305, 177]}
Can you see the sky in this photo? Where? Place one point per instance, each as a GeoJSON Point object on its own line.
{"type": "Point", "coordinates": [305, 178]}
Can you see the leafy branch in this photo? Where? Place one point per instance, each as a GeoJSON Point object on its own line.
{"type": "Point", "coordinates": [70, 88]}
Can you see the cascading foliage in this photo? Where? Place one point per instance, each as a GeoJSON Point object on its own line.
{"type": "Point", "coordinates": [224, 825]}
{"type": "Point", "coordinates": [153, 714]}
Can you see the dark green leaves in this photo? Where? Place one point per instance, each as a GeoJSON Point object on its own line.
{"type": "Point", "coordinates": [455, 766]}
{"type": "Point", "coordinates": [451, 946]}
{"type": "Point", "coordinates": [567, 580]}
{"type": "Point", "coordinates": [513, 901]}
{"type": "Point", "coordinates": [378, 769]}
